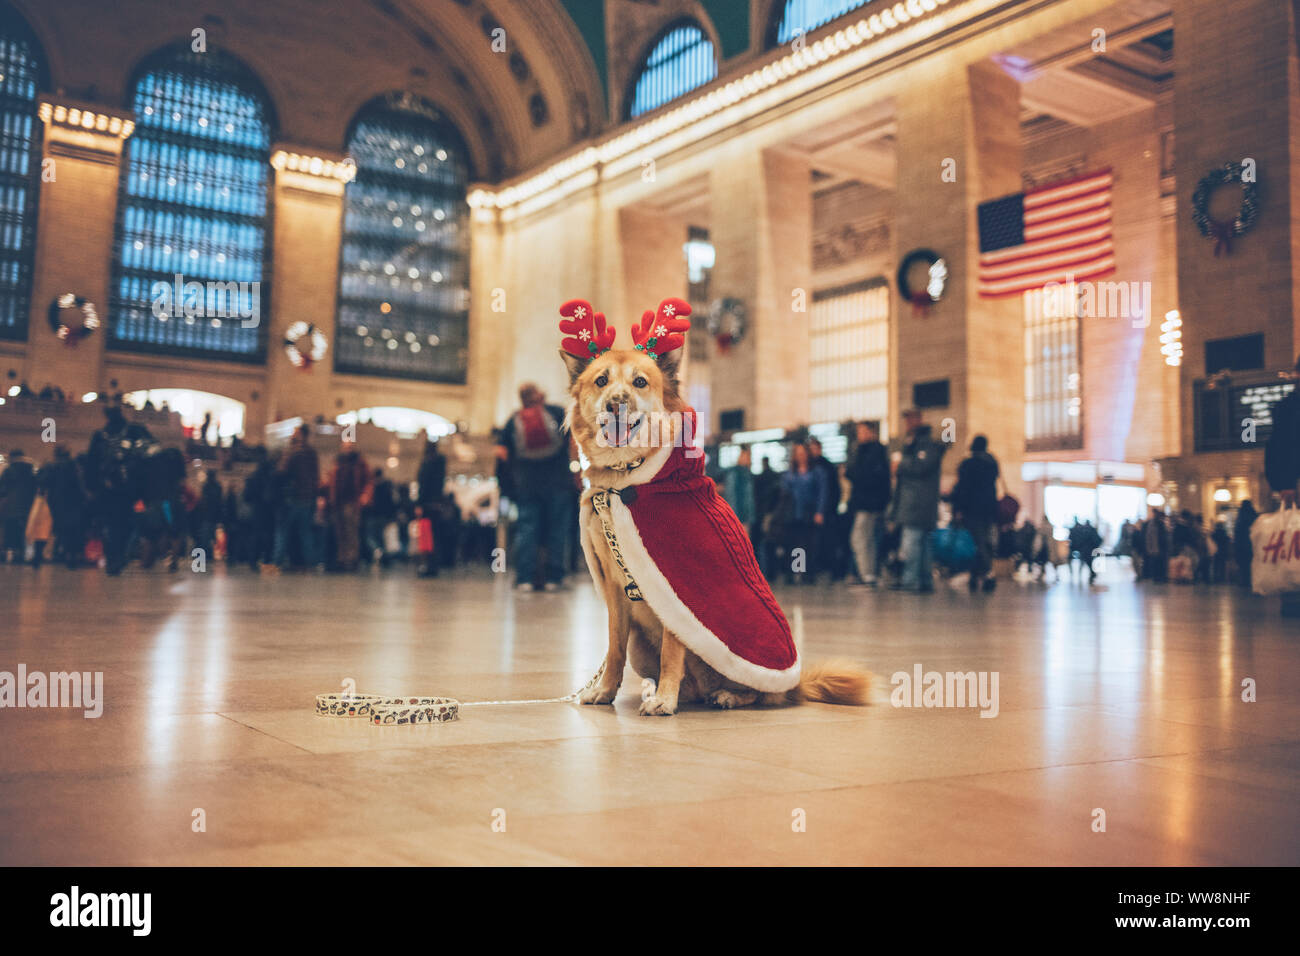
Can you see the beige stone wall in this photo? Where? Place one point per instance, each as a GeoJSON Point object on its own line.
{"type": "Point", "coordinates": [1225, 114]}
{"type": "Point", "coordinates": [951, 105]}
{"type": "Point", "coordinates": [74, 252]}
{"type": "Point", "coordinates": [611, 240]}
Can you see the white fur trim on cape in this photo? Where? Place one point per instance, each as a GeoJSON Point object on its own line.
{"type": "Point", "coordinates": [679, 618]}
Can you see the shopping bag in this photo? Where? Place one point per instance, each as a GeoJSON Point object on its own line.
{"type": "Point", "coordinates": [1275, 552]}
{"type": "Point", "coordinates": [392, 538]}
{"type": "Point", "coordinates": [953, 548]}
{"type": "Point", "coordinates": [1008, 510]}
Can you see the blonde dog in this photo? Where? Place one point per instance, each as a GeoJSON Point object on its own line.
{"type": "Point", "coordinates": [686, 603]}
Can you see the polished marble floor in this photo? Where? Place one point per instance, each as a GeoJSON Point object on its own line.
{"type": "Point", "coordinates": [1122, 699]}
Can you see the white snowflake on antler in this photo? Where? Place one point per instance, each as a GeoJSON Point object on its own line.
{"type": "Point", "coordinates": [661, 330]}
{"type": "Point", "coordinates": [670, 310]}
{"type": "Point", "coordinates": [579, 313]}
{"type": "Point", "coordinates": [584, 335]}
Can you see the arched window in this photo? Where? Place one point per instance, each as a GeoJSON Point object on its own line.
{"type": "Point", "coordinates": [404, 263]}
{"type": "Point", "coordinates": [22, 70]}
{"type": "Point", "coordinates": [799, 17]}
{"type": "Point", "coordinates": [678, 62]}
{"type": "Point", "coordinates": [191, 265]}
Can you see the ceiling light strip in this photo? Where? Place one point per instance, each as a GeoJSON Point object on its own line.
{"type": "Point", "coordinates": [846, 50]}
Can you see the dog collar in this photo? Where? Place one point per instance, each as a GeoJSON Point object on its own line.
{"type": "Point", "coordinates": [632, 465]}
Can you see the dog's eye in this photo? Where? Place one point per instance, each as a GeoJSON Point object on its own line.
{"type": "Point", "coordinates": [602, 380]}
{"type": "Point", "coordinates": [640, 381]}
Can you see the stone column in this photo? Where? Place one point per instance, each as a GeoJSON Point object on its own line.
{"type": "Point", "coordinates": [489, 321]}
{"type": "Point", "coordinates": [308, 218]}
{"type": "Point", "coordinates": [762, 233]}
{"type": "Point", "coordinates": [1235, 98]}
{"type": "Point", "coordinates": [958, 145]}
{"type": "Point", "coordinates": [81, 160]}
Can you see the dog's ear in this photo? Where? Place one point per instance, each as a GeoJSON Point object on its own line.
{"type": "Point", "coordinates": [575, 364]}
{"type": "Point", "coordinates": [670, 363]}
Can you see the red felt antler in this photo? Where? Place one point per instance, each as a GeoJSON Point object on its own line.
{"type": "Point", "coordinates": [586, 327]}
{"type": "Point", "coordinates": [663, 330]}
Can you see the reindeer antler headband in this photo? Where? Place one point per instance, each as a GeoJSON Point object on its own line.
{"type": "Point", "coordinates": [586, 327]}
{"type": "Point", "coordinates": [658, 332]}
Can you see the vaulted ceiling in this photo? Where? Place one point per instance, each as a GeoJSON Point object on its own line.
{"type": "Point", "coordinates": [517, 79]}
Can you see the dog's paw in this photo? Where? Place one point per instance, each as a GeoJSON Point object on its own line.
{"type": "Point", "coordinates": [597, 695]}
{"type": "Point", "coordinates": [655, 706]}
{"type": "Point", "coordinates": [727, 699]}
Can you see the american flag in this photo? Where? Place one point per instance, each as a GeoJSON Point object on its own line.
{"type": "Point", "coordinates": [1051, 234]}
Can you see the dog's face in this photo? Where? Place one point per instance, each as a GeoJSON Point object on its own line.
{"type": "Point", "coordinates": [621, 403]}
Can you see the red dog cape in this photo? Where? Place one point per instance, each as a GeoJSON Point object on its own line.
{"type": "Point", "coordinates": [693, 563]}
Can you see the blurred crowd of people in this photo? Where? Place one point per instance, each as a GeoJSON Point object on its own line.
{"type": "Point", "coordinates": [873, 522]}
{"type": "Point", "coordinates": [129, 497]}
{"type": "Point", "coordinates": [880, 519]}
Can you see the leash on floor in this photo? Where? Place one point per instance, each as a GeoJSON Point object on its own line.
{"type": "Point", "coordinates": [382, 710]}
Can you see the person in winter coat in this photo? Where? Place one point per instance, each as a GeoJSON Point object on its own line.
{"type": "Point", "coordinates": [808, 506]}
{"type": "Point", "coordinates": [210, 512]}
{"type": "Point", "coordinates": [381, 513]}
{"type": "Point", "coordinates": [431, 477]}
{"type": "Point", "coordinates": [738, 489]}
{"type": "Point", "coordinates": [831, 540]}
{"type": "Point", "coordinates": [767, 498]}
{"type": "Point", "coordinates": [298, 483]}
{"type": "Point", "coordinates": [975, 505]}
{"type": "Point", "coordinates": [40, 527]}
{"type": "Point", "coordinates": [536, 450]}
{"type": "Point", "coordinates": [17, 491]}
{"type": "Point", "coordinates": [1241, 548]}
{"type": "Point", "coordinates": [1282, 466]}
{"type": "Point", "coordinates": [868, 474]}
{"type": "Point", "coordinates": [1282, 454]}
{"type": "Point", "coordinates": [257, 497]}
{"type": "Point", "coordinates": [916, 500]}
{"type": "Point", "coordinates": [350, 491]}
{"type": "Point", "coordinates": [1084, 542]}
{"type": "Point", "coordinates": [66, 493]}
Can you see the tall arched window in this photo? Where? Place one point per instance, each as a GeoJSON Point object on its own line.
{"type": "Point", "coordinates": [404, 263]}
{"type": "Point", "coordinates": [798, 17]}
{"type": "Point", "coordinates": [22, 68]}
{"type": "Point", "coordinates": [191, 266]}
{"type": "Point", "coordinates": [680, 59]}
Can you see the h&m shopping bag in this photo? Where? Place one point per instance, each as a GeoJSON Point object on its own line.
{"type": "Point", "coordinates": [1275, 552]}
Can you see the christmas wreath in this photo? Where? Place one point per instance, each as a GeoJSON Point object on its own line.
{"type": "Point", "coordinates": [726, 322]}
{"type": "Point", "coordinates": [936, 278]}
{"type": "Point", "coordinates": [89, 318]}
{"type": "Point", "coordinates": [305, 344]}
{"type": "Point", "coordinates": [1223, 232]}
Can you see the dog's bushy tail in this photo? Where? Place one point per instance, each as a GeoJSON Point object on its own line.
{"type": "Point", "coordinates": [834, 682]}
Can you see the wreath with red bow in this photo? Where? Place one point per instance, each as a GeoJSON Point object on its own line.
{"type": "Point", "coordinates": [69, 334]}
{"type": "Point", "coordinates": [936, 279]}
{"type": "Point", "coordinates": [1221, 231]}
{"type": "Point", "coordinates": [305, 345]}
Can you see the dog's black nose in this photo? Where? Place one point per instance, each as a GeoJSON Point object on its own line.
{"type": "Point", "coordinates": [616, 405]}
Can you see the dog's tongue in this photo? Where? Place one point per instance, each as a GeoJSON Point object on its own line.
{"type": "Point", "coordinates": [616, 436]}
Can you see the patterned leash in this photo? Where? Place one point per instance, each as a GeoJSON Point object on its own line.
{"type": "Point", "coordinates": [381, 710]}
